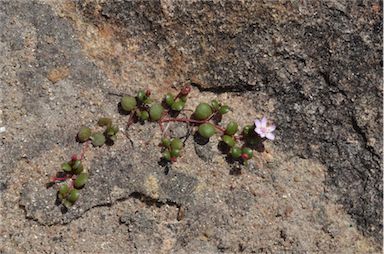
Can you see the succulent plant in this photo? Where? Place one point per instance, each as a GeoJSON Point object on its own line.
{"type": "Point", "coordinates": [142, 107]}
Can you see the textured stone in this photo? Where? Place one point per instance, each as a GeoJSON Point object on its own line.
{"type": "Point", "coordinates": [314, 68]}
{"type": "Point", "coordinates": [320, 62]}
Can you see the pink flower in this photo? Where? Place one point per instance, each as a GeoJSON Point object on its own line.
{"type": "Point", "coordinates": [263, 130]}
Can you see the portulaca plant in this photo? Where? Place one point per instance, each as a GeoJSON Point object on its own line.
{"type": "Point", "coordinates": [237, 143]}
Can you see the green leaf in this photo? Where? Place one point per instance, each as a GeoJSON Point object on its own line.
{"type": "Point", "coordinates": [175, 153]}
{"type": "Point", "coordinates": [176, 143]}
{"type": "Point", "coordinates": [67, 204]}
{"type": "Point", "coordinates": [115, 129]}
{"type": "Point", "coordinates": [110, 131]}
{"type": "Point", "coordinates": [169, 99]}
{"type": "Point", "coordinates": [215, 105]}
{"type": "Point", "coordinates": [247, 129]}
{"type": "Point", "coordinates": [156, 111]}
{"type": "Point", "coordinates": [228, 140]}
{"type": "Point", "coordinates": [84, 134]}
{"type": "Point", "coordinates": [144, 115]}
{"type": "Point", "coordinates": [104, 121]}
{"type": "Point", "coordinates": [224, 109]}
{"type": "Point", "coordinates": [178, 105]}
{"type": "Point", "coordinates": [167, 155]}
{"type": "Point", "coordinates": [63, 190]}
{"type": "Point", "coordinates": [81, 180]}
{"type": "Point", "coordinates": [203, 111]}
{"type": "Point", "coordinates": [248, 151]}
{"type": "Point", "coordinates": [166, 142]}
{"type": "Point", "coordinates": [141, 96]}
{"type": "Point", "coordinates": [98, 139]}
{"type": "Point", "coordinates": [73, 196]}
{"type": "Point", "coordinates": [235, 152]}
{"type": "Point", "coordinates": [128, 103]}
{"type": "Point", "coordinates": [148, 101]}
{"type": "Point", "coordinates": [206, 130]}
{"type": "Point", "coordinates": [232, 128]}
{"type": "Point", "coordinates": [66, 167]}
{"type": "Point", "coordinates": [77, 167]}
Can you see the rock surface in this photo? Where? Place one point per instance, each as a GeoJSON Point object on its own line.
{"type": "Point", "coordinates": [314, 68]}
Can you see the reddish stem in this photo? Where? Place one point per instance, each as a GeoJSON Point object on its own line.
{"type": "Point", "coordinates": [238, 137]}
{"type": "Point", "coordinates": [58, 179]}
{"type": "Point", "coordinates": [71, 184]}
{"type": "Point", "coordinates": [84, 149]}
{"type": "Point", "coordinates": [165, 113]}
{"type": "Point", "coordinates": [183, 92]}
{"type": "Point", "coordinates": [183, 120]}
{"type": "Point", "coordinates": [130, 119]}
{"type": "Point", "coordinates": [219, 128]}
{"type": "Point", "coordinates": [161, 127]}
{"type": "Point", "coordinates": [188, 120]}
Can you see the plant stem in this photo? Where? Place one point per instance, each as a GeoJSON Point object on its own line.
{"type": "Point", "coordinates": [58, 179]}
{"type": "Point", "coordinates": [130, 119]}
{"type": "Point", "coordinates": [183, 120]}
{"type": "Point", "coordinates": [84, 149]}
{"type": "Point", "coordinates": [188, 120]}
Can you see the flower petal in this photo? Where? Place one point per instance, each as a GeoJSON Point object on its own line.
{"type": "Point", "coordinates": [270, 136]}
{"type": "Point", "coordinates": [264, 122]}
{"type": "Point", "coordinates": [260, 132]}
{"type": "Point", "coordinates": [257, 123]}
{"type": "Point", "coordinates": [271, 128]}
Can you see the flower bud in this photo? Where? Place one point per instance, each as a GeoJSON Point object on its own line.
{"type": "Point", "coordinates": [185, 90]}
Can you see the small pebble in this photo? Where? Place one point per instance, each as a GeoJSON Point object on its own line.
{"type": "Point", "coordinates": [2, 129]}
{"type": "Point", "coordinates": [268, 158]}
